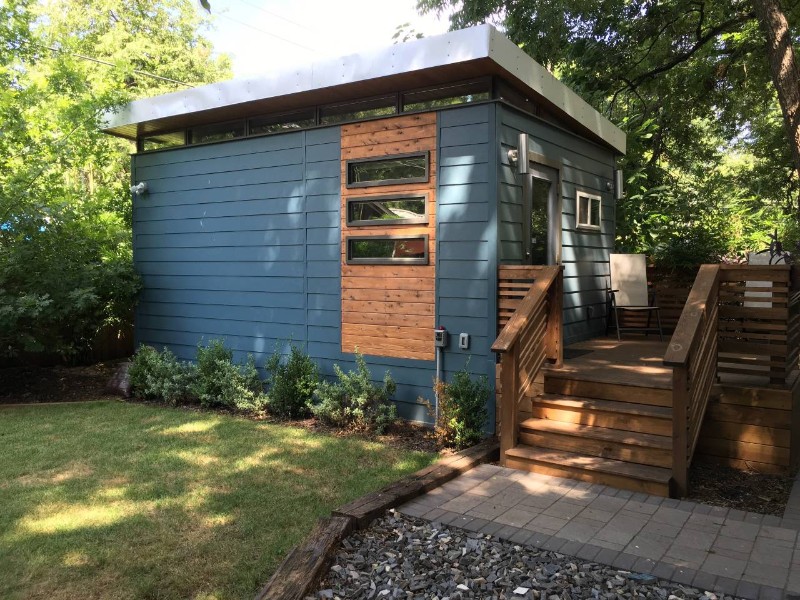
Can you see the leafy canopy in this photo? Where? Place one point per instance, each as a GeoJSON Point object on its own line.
{"type": "Point", "coordinates": [65, 209]}
{"type": "Point", "coordinates": [688, 81]}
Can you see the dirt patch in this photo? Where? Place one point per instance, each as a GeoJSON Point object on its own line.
{"type": "Point", "coordinates": [743, 490]}
{"type": "Point", "coordinates": [55, 384]}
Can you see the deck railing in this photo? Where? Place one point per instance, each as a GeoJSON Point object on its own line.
{"type": "Point", "coordinates": [758, 326]}
{"type": "Point", "coordinates": [692, 354]}
{"type": "Point", "coordinates": [531, 335]}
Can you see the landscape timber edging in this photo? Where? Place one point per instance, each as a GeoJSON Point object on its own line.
{"type": "Point", "coordinates": [308, 562]}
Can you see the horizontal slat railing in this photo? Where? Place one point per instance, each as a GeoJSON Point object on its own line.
{"type": "Point", "coordinates": [692, 354]}
{"type": "Point", "coordinates": [758, 322]}
{"type": "Point", "coordinates": [530, 335]}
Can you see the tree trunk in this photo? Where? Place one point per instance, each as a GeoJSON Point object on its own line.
{"type": "Point", "coordinates": [784, 69]}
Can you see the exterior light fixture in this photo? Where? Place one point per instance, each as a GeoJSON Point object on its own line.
{"type": "Point", "coordinates": [140, 189]}
{"type": "Point", "coordinates": [619, 192]}
{"type": "Point", "coordinates": [518, 157]}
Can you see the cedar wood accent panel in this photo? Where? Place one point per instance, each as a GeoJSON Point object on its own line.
{"type": "Point", "coordinates": [388, 310]}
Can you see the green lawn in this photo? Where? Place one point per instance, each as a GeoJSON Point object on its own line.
{"type": "Point", "coordinates": [114, 500]}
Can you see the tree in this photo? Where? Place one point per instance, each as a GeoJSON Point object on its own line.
{"type": "Point", "coordinates": [65, 209]}
{"type": "Point", "coordinates": [689, 82]}
{"type": "Point", "coordinates": [783, 67]}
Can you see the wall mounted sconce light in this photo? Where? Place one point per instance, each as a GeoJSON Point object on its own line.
{"type": "Point", "coordinates": [619, 192]}
{"type": "Point", "coordinates": [518, 157]}
{"type": "Point", "coordinates": [139, 189]}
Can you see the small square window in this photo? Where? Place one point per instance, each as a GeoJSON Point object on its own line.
{"type": "Point", "coordinates": [589, 211]}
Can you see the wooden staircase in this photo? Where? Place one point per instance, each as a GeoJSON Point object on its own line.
{"type": "Point", "coordinates": [588, 425]}
{"type": "Point", "coordinates": [629, 414]}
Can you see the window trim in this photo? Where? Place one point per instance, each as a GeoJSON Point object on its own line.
{"type": "Point", "coordinates": [365, 184]}
{"type": "Point", "coordinates": [424, 260]}
{"type": "Point", "coordinates": [385, 198]}
{"type": "Point", "coordinates": [590, 196]}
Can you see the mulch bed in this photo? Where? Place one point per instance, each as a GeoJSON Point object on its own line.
{"type": "Point", "coordinates": [743, 490]}
{"type": "Point", "coordinates": [20, 385]}
{"type": "Point", "coordinates": [720, 486]}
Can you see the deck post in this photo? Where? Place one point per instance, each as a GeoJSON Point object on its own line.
{"type": "Point", "coordinates": [509, 379]}
{"type": "Point", "coordinates": [680, 431]}
{"type": "Point", "coordinates": [554, 343]}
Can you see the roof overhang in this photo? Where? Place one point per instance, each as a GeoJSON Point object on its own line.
{"type": "Point", "coordinates": [458, 55]}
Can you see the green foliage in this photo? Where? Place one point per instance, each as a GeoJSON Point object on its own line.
{"type": "Point", "coordinates": [65, 277]}
{"type": "Point", "coordinates": [354, 401]}
{"type": "Point", "coordinates": [292, 384]}
{"type": "Point", "coordinates": [160, 376]}
{"type": "Point", "coordinates": [219, 382]}
{"type": "Point", "coordinates": [213, 381]}
{"type": "Point", "coordinates": [65, 208]}
{"type": "Point", "coordinates": [462, 410]}
{"type": "Point", "coordinates": [688, 82]}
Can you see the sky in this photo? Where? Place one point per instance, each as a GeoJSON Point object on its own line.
{"type": "Point", "coordinates": [269, 35]}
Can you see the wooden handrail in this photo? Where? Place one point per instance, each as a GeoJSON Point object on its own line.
{"type": "Point", "coordinates": [692, 354]}
{"type": "Point", "coordinates": [516, 324]}
{"type": "Point", "coordinates": [705, 284]}
{"type": "Point", "coordinates": [531, 336]}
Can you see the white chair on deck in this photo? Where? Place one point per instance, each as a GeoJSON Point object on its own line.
{"type": "Point", "coordinates": [629, 292]}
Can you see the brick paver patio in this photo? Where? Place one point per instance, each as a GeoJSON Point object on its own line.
{"type": "Point", "coordinates": [712, 548]}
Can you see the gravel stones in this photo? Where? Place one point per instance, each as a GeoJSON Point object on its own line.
{"type": "Point", "coordinates": [400, 557]}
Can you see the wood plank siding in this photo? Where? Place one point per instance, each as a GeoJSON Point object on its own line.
{"type": "Point", "coordinates": [388, 310]}
{"type": "Point", "coordinates": [583, 166]}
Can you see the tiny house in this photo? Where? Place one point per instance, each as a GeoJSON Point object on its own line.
{"type": "Point", "coordinates": [363, 202]}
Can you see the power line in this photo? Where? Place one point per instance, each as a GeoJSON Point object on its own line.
{"type": "Point", "coordinates": [283, 39]}
{"type": "Point", "coordinates": [106, 63]}
{"type": "Point", "coordinates": [274, 14]}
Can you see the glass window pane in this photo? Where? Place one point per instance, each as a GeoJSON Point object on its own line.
{"type": "Point", "coordinates": [473, 91]}
{"type": "Point", "coordinates": [583, 210]}
{"type": "Point", "coordinates": [540, 195]}
{"type": "Point", "coordinates": [379, 250]}
{"type": "Point", "coordinates": [163, 140]}
{"type": "Point", "coordinates": [594, 217]}
{"type": "Point", "coordinates": [385, 171]}
{"type": "Point", "coordinates": [353, 111]}
{"type": "Point", "coordinates": [280, 123]}
{"type": "Point", "coordinates": [217, 132]}
{"type": "Point", "coordinates": [387, 210]}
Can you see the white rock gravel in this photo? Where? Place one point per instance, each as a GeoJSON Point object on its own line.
{"type": "Point", "coordinates": [403, 557]}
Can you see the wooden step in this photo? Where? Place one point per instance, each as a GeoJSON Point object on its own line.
{"type": "Point", "coordinates": [594, 469]}
{"type": "Point", "coordinates": [640, 448]}
{"type": "Point", "coordinates": [593, 384]}
{"type": "Point", "coordinates": [603, 413]}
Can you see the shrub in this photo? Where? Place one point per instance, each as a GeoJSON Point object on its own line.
{"type": "Point", "coordinates": [354, 401]}
{"type": "Point", "coordinates": [292, 384]}
{"type": "Point", "coordinates": [158, 375]}
{"type": "Point", "coordinates": [462, 410]}
{"type": "Point", "coordinates": [220, 382]}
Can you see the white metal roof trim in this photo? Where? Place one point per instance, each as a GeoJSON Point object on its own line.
{"type": "Point", "coordinates": [483, 41]}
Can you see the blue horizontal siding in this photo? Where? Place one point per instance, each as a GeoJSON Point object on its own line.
{"type": "Point", "coordinates": [466, 240]}
{"type": "Point", "coordinates": [224, 240]}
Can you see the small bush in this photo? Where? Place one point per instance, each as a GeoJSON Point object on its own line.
{"type": "Point", "coordinates": [158, 375]}
{"type": "Point", "coordinates": [221, 382]}
{"type": "Point", "coordinates": [292, 384]}
{"type": "Point", "coordinates": [462, 410]}
{"type": "Point", "coordinates": [354, 401]}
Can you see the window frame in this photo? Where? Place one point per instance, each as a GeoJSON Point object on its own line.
{"type": "Point", "coordinates": [424, 220]}
{"type": "Point", "coordinates": [408, 180]}
{"type": "Point", "coordinates": [590, 197]}
{"type": "Point", "coordinates": [423, 260]}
